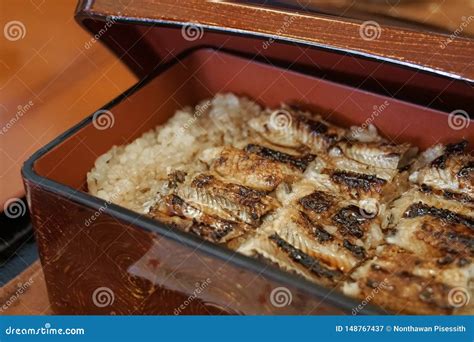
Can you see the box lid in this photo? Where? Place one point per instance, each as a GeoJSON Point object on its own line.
{"type": "Point", "coordinates": [436, 53]}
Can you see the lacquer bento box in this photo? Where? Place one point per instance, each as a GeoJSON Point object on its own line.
{"type": "Point", "coordinates": [102, 258]}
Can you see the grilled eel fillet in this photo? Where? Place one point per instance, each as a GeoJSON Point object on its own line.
{"type": "Point", "coordinates": [231, 198]}
{"type": "Point", "coordinates": [338, 215]}
{"type": "Point", "coordinates": [432, 226]}
{"type": "Point", "coordinates": [379, 155]}
{"type": "Point", "coordinates": [296, 129]}
{"type": "Point", "coordinates": [317, 235]}
{"type": "Point", "coordinates": [447, 168]}
{"type": "Point", "coordinates": [370, 172]}
{"type": "Point", "coordinates": [371, 188]}
{"type": "Point", "coordinates": [402, 282]}
{"type": "Point", "coordinates": [294, 243]}
{"type": "Point", "coordinates": [213, 209]}
{"type": "Point", "coordinates": [256, 166]}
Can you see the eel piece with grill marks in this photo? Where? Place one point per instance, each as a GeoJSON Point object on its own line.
{"type": "Point", "coordinates": [215, 209]}
{"type": "Point", "coordinates": [256, 166]}
{"type": "Point", "coordinates": [402, 282]}
{"type": "Point", "coordinates": [296, 129]}
{"type": "Point", "coordinates": [294, 243]}
{"type": "Point", "coordinates": [432, 226]}
{"type": "Point", "coordinates": [446, 167]}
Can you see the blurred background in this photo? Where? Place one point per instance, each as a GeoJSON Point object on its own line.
{"type": "Point", "coordinates": [52, 74]}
